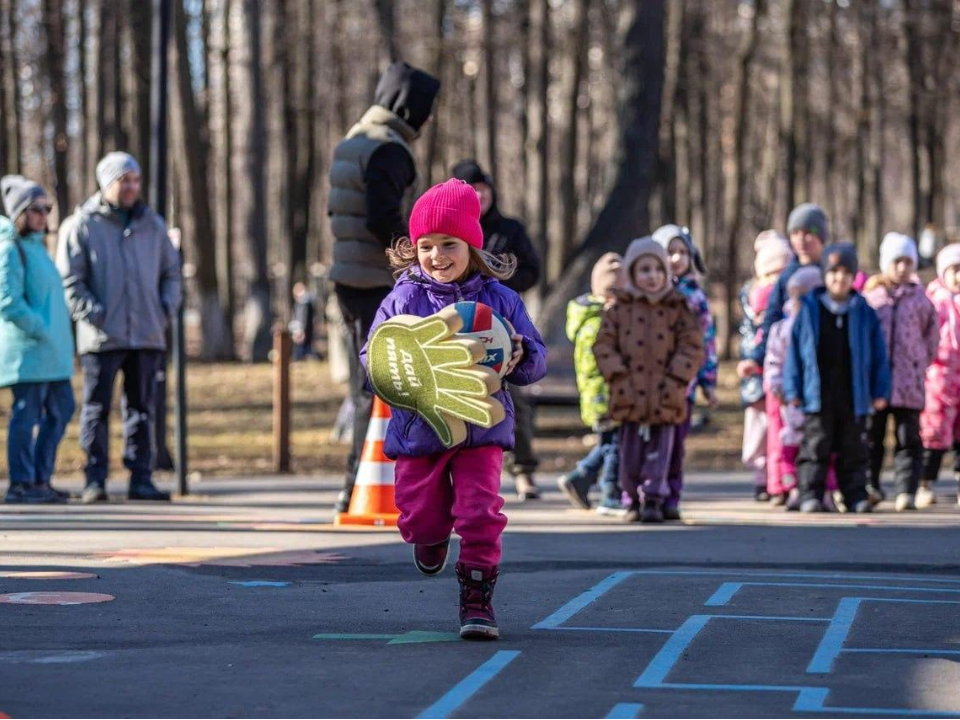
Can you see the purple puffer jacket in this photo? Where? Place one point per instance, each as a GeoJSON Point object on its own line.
{"type": "Point", "coordinates": [418, 294]}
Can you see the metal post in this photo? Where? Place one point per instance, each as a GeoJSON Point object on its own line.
{"type": "Point", "coordinates": [282, 350]}
{"type": "Point", "coordinates": [158, 200]}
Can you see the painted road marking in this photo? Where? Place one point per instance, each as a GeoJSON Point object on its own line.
{"type": "Point", "coordinates": [456, 696]}
{"type": "Point", "coordinates": [54, 598]}
{"type": "Point", "coordinates": [624, 710]}
{"type": "Point", "coordinates": [47, 575]}
{"type": "Point", "coordinates": [581, 601]}
{"type": "Point", "coordinates": [259, 583]}
{"type": "Point", "coordinates": [725, 592]}
{"type": "Point", "coordinates": [37, 657]}
{"type": "Point", "coordinates": [407, 638]}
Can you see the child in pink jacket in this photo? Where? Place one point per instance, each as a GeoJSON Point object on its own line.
{"type": "Point", "coordinates": [784, 423]}
{"type": "Point", "coordinates": [940, 419]}
{"type": "Point", "coordinates": [911, 331]}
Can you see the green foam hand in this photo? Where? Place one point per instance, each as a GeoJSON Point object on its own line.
{"type": "Point", "coordinates": [415, 364]}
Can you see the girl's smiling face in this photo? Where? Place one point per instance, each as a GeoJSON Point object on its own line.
{"type": "Point", "coordinates": [679, 257]}
{"type": "Point", "coordinates": [443, 257]}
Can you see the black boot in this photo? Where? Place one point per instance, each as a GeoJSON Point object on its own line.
{"type": "Point", "coordinates": [477, 619]}
{"type": "Point", "coordinates": [147, 491]}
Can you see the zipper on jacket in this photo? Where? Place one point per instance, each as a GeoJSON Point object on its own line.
{"type": "Point", "coordinates": [893, 339]}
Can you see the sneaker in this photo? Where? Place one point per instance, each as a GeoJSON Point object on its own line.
{"type": "Point", "coordinates": [610, 506]}
{"type": "Point", "coordinates": [571, 485]}
{"type": "Point", "coordinates": [904, 502]}
{"type": "Point", "coordinates": [793, 500]}
{"type": "Point", "coordinates": [477, 619]}
{"type": "Point", "coordinates": [147, 491]}
{"type": "Point", "coordinates": [925, 496]}
{"type": "Point", "coordinates": [760, 494]}
{"type": "Point", "coordinates": [23, 494]}
{"type": "Point", "coordinates": [342, 503]}
{"type": "Point", "coordinates": [864, 506]}
{"type": "Point", "coordinates": [778, 499]}
{"type": "Point", "coordinates": [811, 505]}
{"type": "Point", "coordinates": [93, 493]}
{"type": "Point", "coordinates": [671, 512]}
{"type": "Point", "coordinates": [833, 502]}
{"type": "Point", "coordinates": [875, 495]}
{"type": "Point", "coordinates": [431, 559]}
{"type": "Point", "coordinates": [651, 513]}
{"type": "Point", "coordinates": [62, 494]}
{"type": "Point", "coordinates": [632, 514]}
{"type": "Point", "coordinates": [526, 488]}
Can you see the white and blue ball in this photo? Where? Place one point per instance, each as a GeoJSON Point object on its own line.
{"type": "Point", "coordinates": [483, 324]}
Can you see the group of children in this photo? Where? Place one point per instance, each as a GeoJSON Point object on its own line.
{"type": "Point", "coordinates": [823, 369]}
{"type": "Point", "coordinates": [644, 341]}
{"type": "Point", "coordinates": [829, 356]}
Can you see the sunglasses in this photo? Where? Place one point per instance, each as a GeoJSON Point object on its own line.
{"type": "Point", "coordinates": [42, 209]}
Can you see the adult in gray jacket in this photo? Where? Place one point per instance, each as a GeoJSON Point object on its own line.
{"type": "Point", "coordinates": [121, 275]}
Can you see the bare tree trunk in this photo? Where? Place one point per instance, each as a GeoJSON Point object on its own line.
{"type": "Point", "coordinates": [139, 18]}
{"type": "Point", "coordinates": [833, 48]}
{"type": "Point", "coordinates": [492, 110]}
{"type": "Point", "coordinates": [84, 111]}
{"type": "Point", "coordinates": [569, 198]}
{"type": "Point", "coordinates": [526, 11]}
{"type": "Point", "coordinates": [13, 57]}
{"type": "Point", "coordinates": [121, 139]}
{"type": "Point", "coordinates": [878, 150]}
{"type": "Point", "coordinates": [250, 111]}
{"type": "Point", "coordinates": [193, 153]}
{"type": "Point", "coordinates": [221, 118]}
{"type": "Point", "coordinates": [793, 119]}
{"type": "Point", "coordinates": [106, 138]}
{"type": "Point", "coordinates": [339, 67]}
{"type": "Point", "coordinates": [625, 213]}
{"type": "Point", "coordinates": [538, 142]}
{"type": "Point", "coordinates": [866, 28]}
{"type": "Point", "coordinates": [5, 114]}
{"type": "Point", "coordinates": [914, 60]}
{"type": "Point", "coordinates": [388, 27]}
{"type": "Point", "coordinates": [736, 190]}
{"type": "Point", "coordinates": [54, 22]}
{"type": "Point", "coordinates": [437, 67]}
{"type": "Point", "coordinates": [665, 189]}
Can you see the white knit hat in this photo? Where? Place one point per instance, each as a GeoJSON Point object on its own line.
{"type": "Point", "coordinates": [894, 246]}
{"type": "Point", "coordinates": [948, 257]}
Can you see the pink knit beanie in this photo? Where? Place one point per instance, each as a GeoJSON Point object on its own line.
{"type": "Point", "coordinates": [450, 208]}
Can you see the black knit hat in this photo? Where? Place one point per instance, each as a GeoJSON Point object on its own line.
{"type": "Point", "coordinates": [840, 255]}
{"type": "Point", "coordinates": [469, 171]}
{"type": "Point", "coordinates": [408, 92]}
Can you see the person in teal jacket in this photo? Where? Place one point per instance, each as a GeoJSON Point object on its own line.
{"type": "Point", "coordinates": [36, 343]}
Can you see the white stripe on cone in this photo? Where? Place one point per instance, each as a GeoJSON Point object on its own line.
{"type": "Point", "coordinates": [375, 473]}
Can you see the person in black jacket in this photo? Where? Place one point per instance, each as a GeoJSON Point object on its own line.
{"type": "Point", "coordinates": [373, 179]}
{"type": "Point", "coordinates": [507, 235]}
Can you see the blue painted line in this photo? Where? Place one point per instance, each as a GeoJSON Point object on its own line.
{"type": "Point", "coordinates": [609, 629]}
{"type": "Point", "coordinates": [831, 644]}
{"type": "Point", "coordinates": [737, 688]}
{"type": "Point", "coordinates": [456, 696]}
{"type": "Point", "coordinates": [661, 664]}
{"type": "Point", "coordinates": [904, 651]}
{"type": "Point", "coordinates": [814, 700]}
{"type": "Point", "coordinates": [761, 573]}
{"type": "Point", "coordinates": [581, 601]}
{"type": "Point", "coordinates": [912, 601]}
{"type": "Point", "coordinates": [724, 594]}
{"type": "Point", "coordinates": [779, 618]}
{"type": "Point", "coordinates": [625, 711]}
{"type": "Point", "coordinates": [259, 583]}
{"type": "Point", "coordinates": [726, 591]}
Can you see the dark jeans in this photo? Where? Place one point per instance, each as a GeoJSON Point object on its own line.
{"type": "Point", "coordinates": [833, 430]}
{"type": "Point", "coordinates": [359, 306]}
{"type": "Point", "coordinates": [933, 459]}
{"type": "Point", "coordinates": [524, 420]}
{"type": "Point", "coordinates": [908, 452]}
{"type": "Point", "coordinates": [44, 405]}
{"type": "Point", "coordinates": [602, 464]}
{"type": "Point", "coordinates": [139, 369]}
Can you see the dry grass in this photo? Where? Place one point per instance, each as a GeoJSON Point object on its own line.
{"type": "Point", "coordinates": [230, 425]}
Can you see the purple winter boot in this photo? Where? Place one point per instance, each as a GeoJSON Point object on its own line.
{"type": "Point", "coordinates": [477, 619]}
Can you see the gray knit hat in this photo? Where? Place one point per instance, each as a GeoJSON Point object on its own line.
{"type": "Point", "coordinates": [114, 166]}
{"type": "Point", "coordinates": [811, 218]}
{"type": "Point", "coordinates": [840, 255]}
{"type": "Point", "coordinates": [18, 194]}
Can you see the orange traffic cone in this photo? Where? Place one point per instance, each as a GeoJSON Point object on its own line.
{"type": "Point", "coordinates": [373, 499]}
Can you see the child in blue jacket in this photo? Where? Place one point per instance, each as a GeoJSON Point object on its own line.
{"type": "Point", "coordinates": [837, 371]}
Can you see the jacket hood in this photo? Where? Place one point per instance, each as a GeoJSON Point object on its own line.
{"type": "Point", "coordinates": [607, 273]}
{"type": "Point", "coordinates": [666, 233]}
{"type": "Point", "coordinates": [581, 309]}
{"type": "Point", "coordinates": [407, 92]}
{"type": "Point", "coordinates": [96, 205]}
